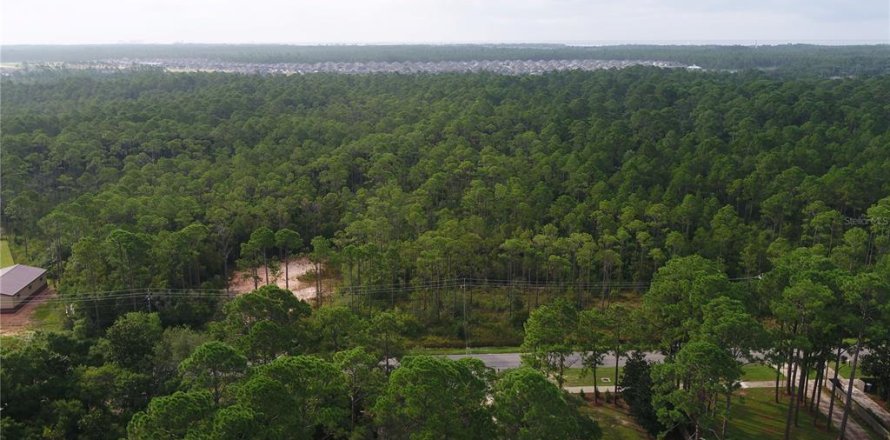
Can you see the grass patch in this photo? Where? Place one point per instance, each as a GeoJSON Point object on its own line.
{"type": "Point", "coordinates": [11, 343]}
{"type": "Point", "coordinates": [472, 350]}
{"type": "Point", "coordinates": [758, 417]}
{"type": "Point", "coordinates": [49, 316]}
{"type": "Point", "coordinates": [5, 255]}
{"type": "Point", "coordinates": [615, 422]}
{"type": "Point", "coordinates": [758, 372]}
{"type": "Point", "coordinates": [574, 378]}
{"type": "Point", "coordinates": [846, 368]}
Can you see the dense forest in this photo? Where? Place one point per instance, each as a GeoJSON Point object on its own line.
{"type": "Point", "coordinates": [705, 215]}
{"type": "Point", "coordinates": [569, 178]}
{"type": "Point", "coordinates": [790, 59]}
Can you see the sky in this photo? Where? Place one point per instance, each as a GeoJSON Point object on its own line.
{"type": "Point", "coordinates": [444, 21]}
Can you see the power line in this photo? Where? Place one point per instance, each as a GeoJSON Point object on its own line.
{"type": "Point", "coordinates": [495, 283]}
{"type": "Point", "coordinates": [367, 290]}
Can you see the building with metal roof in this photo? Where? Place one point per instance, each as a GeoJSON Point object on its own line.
{"type": "Point", "coordinates": [18, 283]}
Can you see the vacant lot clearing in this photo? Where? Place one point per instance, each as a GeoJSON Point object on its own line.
{"type": "Point", "coordinates": [35, 313]}
{"type": "Point", "coordinates": [242, 280]}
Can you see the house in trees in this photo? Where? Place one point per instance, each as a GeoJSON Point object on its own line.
{"type": "Point", "coordinates": [18, 283]}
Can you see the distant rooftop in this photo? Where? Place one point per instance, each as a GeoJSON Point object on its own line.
{"type": "Point", "coordinates": [14, 278]}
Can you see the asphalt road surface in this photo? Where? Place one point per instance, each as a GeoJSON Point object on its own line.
{"type": "Point", "coordinates": [502, 361]}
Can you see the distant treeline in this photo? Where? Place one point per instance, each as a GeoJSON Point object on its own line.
{"type": "Point", "coordinates": [796, 58]}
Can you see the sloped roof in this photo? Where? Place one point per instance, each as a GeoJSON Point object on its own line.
{"type": "Point", "coordinates": [14, 278]}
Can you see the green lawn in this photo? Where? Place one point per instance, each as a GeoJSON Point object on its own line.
{"type": "Point", "coordinates": [5, 255]}
{"type": "Point", "coordinates": [49, 316]}
{"type": "Point", "coordinates": [845, 369]}
{"type": "Point", "coordinates": [615, 422]}
{"type": "Point", "coordinates": [758, 372]}
{"type": "Point", "coordinates": [758, 417]}
{"type": "Point", "coordinates": [574, 378]}
{"type": "Point", "coordinates": [755, 416]}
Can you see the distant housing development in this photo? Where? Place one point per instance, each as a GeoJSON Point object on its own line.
{"type": "Point", "coordinates": [18, 284]}
{"type": "Point", "coordinates": [502, 67]}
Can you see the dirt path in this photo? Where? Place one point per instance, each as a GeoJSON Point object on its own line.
{"type": "Point", "coordinates": [20, 321]}
{"type": "Point", "coordinates": [242, 280]}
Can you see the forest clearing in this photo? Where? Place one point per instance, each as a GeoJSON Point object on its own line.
{"type": "Point", "coordinates": [22, 320]}
{"type": "Point", "coordinates": [297, 269]}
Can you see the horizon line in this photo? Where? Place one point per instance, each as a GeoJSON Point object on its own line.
{"type": "Point", "coordinates": [569, 43]}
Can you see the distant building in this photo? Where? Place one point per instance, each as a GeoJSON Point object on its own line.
{"type": "Point", "coordinates": [18, 283]}
{"type": "Point", "coordinates": [694, 67]}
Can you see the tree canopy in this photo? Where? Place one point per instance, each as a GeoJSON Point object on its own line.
{"type": "Point", "coordinates": [710, 216]}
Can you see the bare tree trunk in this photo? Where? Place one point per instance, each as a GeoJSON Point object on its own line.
{"type": "Point", "coordinates": [266, 265]}
{"type": "Point", "coordinates": [596, 393]}
{"type": "Point", "coordinates": [788, 379]}
{"type": "Point", "coordinates": [837, 362]}
{"type": "Point", "coordinates": [317, 286]}
{"type": "Point", "coordinates": [386, 352]}
{"type": "Point", "coordinates": [617, 356]}
{"type": "Point", "coordinates": [286, 269]}
{"type": "Point", "coordinates": [819, 367]}
{"type": "Point", "coordinates": [59, 264]}
{"type": "Point", "coordinates": [197, 273]}
{"type": "Point", "coordinates": [510, 286]}
{"type": "Point", "coordinates": [852, 377]}
{"type": "Point", "coordinates": [792, 367]}
{"type": "Point", "coordinates": [605, 287]}
{"type": "Point", "coordinates": [801, 388]}
{"type": "Point", "coordinates": [817, 391]}
{"type": "Point", "coordinates": [226, 270]}
{"type": "Point", "coordinates": [352, 412]}
{"type": "Point", "coordinates": [778, 377]}
{"type": "Point", "coordinates": [726, 415]}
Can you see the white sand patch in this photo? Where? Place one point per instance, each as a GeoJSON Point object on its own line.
{"type": "Point", "coordinates": [242, 280]}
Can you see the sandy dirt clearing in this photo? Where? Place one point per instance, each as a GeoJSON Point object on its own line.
{"type": "Point", "coordinates": [20, 321]}
{"type": "Point", "coordinates": [242, 280]}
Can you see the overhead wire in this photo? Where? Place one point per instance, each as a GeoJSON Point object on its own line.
{"type": "Point", "coordinates": [448, 283]}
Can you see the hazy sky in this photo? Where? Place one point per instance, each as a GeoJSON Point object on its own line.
{"type": "Point", "coordinates": [438, 21]}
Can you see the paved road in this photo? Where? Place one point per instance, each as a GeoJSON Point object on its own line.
{"type": "Point", "coordinates": [502, 361]}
